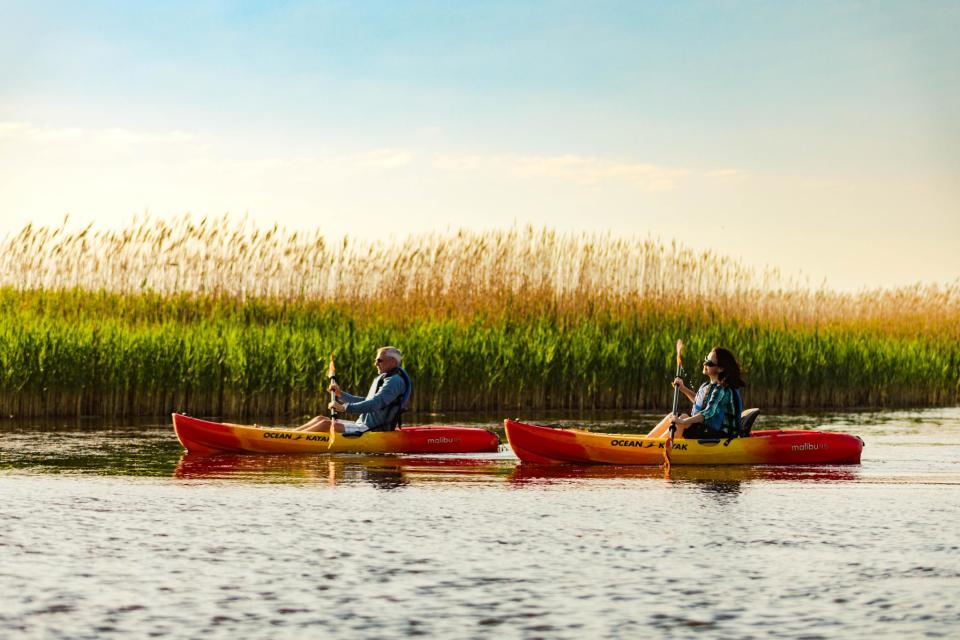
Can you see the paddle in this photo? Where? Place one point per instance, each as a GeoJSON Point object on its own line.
{"type": "Point", "coordinates": [332, 374]}
{"type": "Point", "coordinates": [668, 446]}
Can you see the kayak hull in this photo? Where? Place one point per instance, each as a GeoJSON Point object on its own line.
{"type": "Point", "coordinates": [204, 436]}
{"type": "Point", "coordinates": [549, 445]}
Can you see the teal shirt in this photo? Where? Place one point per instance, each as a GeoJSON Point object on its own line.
{"type": "Point", "coordinates": [719, 408]}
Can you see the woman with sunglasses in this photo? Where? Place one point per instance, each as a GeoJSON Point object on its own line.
{"type": "Point", "coordinates": [380, 410]}
{"type": "Point", "coordinates": [716, 404]}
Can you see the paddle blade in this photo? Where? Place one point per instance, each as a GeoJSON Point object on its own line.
{"type": "Point", "coordinates": [331, 370]}
{"type": "Point", "coordinates": [679, 352]}
{"type": "Point", "coordinates": [333, 434]}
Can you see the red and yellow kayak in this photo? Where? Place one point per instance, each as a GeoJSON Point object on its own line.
{"type": "Point", "coordinates": [203, 436]}
{"type": "Point", "coordinates": [549, 445]}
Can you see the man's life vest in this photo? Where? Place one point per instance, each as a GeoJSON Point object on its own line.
{"type": "Point", "coordinates": [396, 408]}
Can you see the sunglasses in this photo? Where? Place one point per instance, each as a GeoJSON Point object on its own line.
{"type": "Point", "coordinates": [707, 362]}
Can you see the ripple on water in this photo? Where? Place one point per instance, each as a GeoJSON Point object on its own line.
{"type": "Point", "coordinates": [116, 533]}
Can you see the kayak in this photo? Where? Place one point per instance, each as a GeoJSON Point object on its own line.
{"type": "Point", "coordinates": [203, 436]}
{"type": "Point", "coordinates": [549, 445]}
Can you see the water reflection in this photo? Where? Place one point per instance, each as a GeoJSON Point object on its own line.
{"type": "Point", "coordinates": [907, 447]}
{"type": "Point", "coordinates": [723, 475]}
{"type": "Point", "coordinates": [394, 472]}
{"type": "Point", "coordinates": [382, 472]}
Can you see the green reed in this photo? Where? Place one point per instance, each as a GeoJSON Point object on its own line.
{"type": "Point", "coordinates": [75, 352]}
{"type": "Point", "coordinates": [219, 317]}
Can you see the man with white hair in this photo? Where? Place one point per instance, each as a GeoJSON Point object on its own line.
{"type": "Point", "coordinates": [380, 410]}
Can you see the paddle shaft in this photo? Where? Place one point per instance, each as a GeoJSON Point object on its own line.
{"type": "Point", "coordinates": [668, 445]}
{"type": "Point", "coordinates": [332, 374]}
{"type": "Point", "coordinates": [676, 399]}
{"type": "Point", "coordinates": [333, 397]}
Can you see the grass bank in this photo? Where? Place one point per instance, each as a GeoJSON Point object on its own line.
{"type": "Point", "coordinates": [217, 318]}
{"type": "Point", "coordinates": [80, 353]}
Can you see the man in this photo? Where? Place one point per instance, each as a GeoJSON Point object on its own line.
{"type": "Point", "coordinates": [380, 410]}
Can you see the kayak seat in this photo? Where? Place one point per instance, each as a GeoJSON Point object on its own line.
{"type": "Point", "coordinates": [747, 418]}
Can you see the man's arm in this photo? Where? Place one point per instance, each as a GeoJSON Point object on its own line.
{"type": "Point", "coordinates": [347, 398]}
{"type": "Point", "coordinates": [392, 389]}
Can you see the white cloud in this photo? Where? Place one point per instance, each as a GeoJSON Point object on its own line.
{"type": "Point", "coordinates": [593, 171]}
{"type": "Point", "coordinates": [461, 162]}
{"type": "Point", "coordinates": [108, 146]}
{"type": "Point", "coordinates": [570, 168]}
{"type": "Point", "coordinates": [383, 159]}
{"type": "Point", "coordinates": [29, 133]}
{"type": "Point", "coordinates": [726, 173]}
{"type": "Point", "coordinates": [144, 156]}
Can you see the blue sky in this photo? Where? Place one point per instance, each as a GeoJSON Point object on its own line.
{"type": "Point", "coordinates": [818, 137]}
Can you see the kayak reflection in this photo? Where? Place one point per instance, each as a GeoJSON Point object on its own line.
{"type": "Point", "coordinates": [394, 471]}
{"type": "Point", "coordinates": [381, 471]}
{"type": "Point", "coordinates": [718, 474]}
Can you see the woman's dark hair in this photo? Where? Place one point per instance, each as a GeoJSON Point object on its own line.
{"type": "Point", "coordinates": [730, 376]}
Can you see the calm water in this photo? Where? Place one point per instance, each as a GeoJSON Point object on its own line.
{"type": "Point", "coordinates": [109, 531]}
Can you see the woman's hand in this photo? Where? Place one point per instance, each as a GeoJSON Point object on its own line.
{"type": "Point", "coordinates": [684, 389]}
{"type": "Point", "coordinates": [339, 407]}
{"type": "Point", "coordinates": [335, 389]}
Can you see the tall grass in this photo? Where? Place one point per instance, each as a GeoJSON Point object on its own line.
{"type": "Point", "coordinates": [219, 317]}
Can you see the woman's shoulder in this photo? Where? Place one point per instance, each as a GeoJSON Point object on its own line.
{"type": "Point", "coordinates": [717, 389]}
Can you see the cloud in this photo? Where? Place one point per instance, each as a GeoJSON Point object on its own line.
{"type": "Point", "coordinates": [118, 145]}
{"type": "Point", "coordinates": [569, 168]}
{"type": "Point", "coordinates": [594, 171]}
{"type": "Point", "coordinates": [460, 162]}
{"type": "Point", "coordinates": [30, 133]}
{"type": "Point", "coordinates": [726, 173]}
{"type": "Point", "coordinates": [382, 159]}
{"type": "Point", "coordinates": [121, 150]}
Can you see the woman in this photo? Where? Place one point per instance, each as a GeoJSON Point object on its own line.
{"type": "Point", "coordinates": [716, 404]}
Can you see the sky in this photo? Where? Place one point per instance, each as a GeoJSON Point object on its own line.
{"type": "Point", "coordinates": [820, 138]}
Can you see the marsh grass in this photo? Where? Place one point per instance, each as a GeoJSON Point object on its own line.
{"type": "Point", "coordinates": [218, 317]}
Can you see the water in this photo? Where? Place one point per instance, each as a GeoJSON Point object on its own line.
{"type": "Point", "coordinates": [112, 531]}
